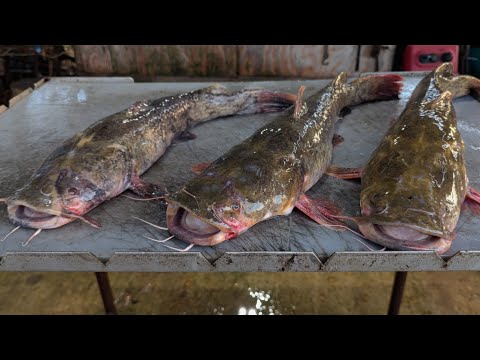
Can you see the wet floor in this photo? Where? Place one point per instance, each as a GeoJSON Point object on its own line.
{"type": "Point", "coordinates": [239, 293]}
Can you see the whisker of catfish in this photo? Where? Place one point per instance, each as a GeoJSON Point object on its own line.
{"type": "Point", "coordinates": [149, 223]}
{"type": "Point", "coordinates": [10, 233]}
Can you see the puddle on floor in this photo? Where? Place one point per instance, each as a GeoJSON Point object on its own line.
{"type": "Point", "coordinates": [239, 293]}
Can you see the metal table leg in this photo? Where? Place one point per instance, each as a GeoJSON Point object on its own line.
{"type": "Point", "coordinates": [106, 292]}
{"type": "Point", "coordinates": [397, 292]}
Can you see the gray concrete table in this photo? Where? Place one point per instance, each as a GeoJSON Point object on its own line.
{"type": "Point", "coordinates": [39, 122]}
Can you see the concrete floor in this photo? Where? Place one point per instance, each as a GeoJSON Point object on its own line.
{"type": "Point", "coordinates": [231, 293]}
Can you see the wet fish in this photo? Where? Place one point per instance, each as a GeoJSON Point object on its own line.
{"type": "Point", "coordinates": [108, 157]}
{"type": "Point", "coordinates": [415, 182]}
{"type": "Point", "coordinates": [268, 174]}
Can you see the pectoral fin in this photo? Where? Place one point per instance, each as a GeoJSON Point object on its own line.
{"type": "Point", "coordinates": [197, 169]}
{"type": "Point", "coordinates": [145, 189]}
{"type": "Point", "coordinates": [184, 136]}
{"type": "Point", "coordinates": [337, 139]}
{"type": "Point", "coordinates": [321, 211]}
{"type": "Point", "coordinates": [472, 201]}
{"type": "Point", "coordinates": [344, 112]}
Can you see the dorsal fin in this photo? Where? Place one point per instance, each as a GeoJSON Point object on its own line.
{"type": "Point", "coordinates": [299, 102]}
{"type": "Point", "coordinates": [217, 89]}
{"type": "Point", "coordinates": [340, 80]}
{"type": "Point", "coordinates": [445, 70]}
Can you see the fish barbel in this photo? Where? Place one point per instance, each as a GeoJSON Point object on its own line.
{"type": "Point", "coordinates": [268, 174]}
{"type": "Point", "coordinates": [108, 157]}
{"type": "Point", "coordinates": [415, 182]}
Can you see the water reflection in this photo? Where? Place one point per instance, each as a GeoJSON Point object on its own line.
{"type": "Point", "coordinates": [81, 96]}
{"type": "Point", "coordinates": [218, 311]}
{"type": "Point", "coordinates": [244, 311]}
{"type": "Point", "coordinates": [265, 304]}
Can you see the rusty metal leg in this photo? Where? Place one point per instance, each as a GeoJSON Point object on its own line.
{"type": "Point", "coordinates": [397, 292]}
{"type": "Point", "coordinates": [106, 292]}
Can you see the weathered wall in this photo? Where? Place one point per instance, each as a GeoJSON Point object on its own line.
{"type": "Point", "coordinates": [304, 61]}
{"type": "Point", "coordinates": [293, 61]}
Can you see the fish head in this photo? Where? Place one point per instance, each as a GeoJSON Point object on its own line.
{"type": "Point", "coordinates": [235, 211]}
{"type": "Point", "coordinates": [399, 217]}
{"type": "Point", "coordinates": [52, 199]}
{"type": "Point", "coordinates": [211, 209]}
{"type": "Point", "coordinates": [77, 193]}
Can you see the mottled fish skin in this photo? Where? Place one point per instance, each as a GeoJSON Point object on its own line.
{"type": "Point", "coordinates": [416, 179]}
{"type": "Point", "coordinates": [264, 176]}
{"type": "Point", "coordinates": [105, 159]}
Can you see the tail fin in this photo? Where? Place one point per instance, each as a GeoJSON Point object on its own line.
{"type": "Point", "coordinates": [460, 85]}
{"type": "Point", "coordinates": [268, 101]}
{"type": "Point", "coordinates": [217, 101]}
{"type": "Point", "coordinates": [374, 88]}
{"type": "Point", "coordinates": [262, 101]}
{"type": "Point", "coordinates": [251, 101]}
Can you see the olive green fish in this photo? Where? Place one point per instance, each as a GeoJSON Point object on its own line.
{"type": "Point", "coordinates": [268, 174]}
{"type": "Point", "coordinates": [415, 182]}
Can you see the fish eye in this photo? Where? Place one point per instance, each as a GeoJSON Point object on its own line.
{"type": "Point", "coordinates": [73, 191]}
{"type": "Point", "coordinates": [235, 206]}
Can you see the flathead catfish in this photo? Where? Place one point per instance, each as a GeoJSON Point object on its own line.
{"type": "Point", "coordinates": [108, 157]}
{"type": "Point", "coordinates": [415, 182]}
{"type": "Point", "coordinates": [268, 174]}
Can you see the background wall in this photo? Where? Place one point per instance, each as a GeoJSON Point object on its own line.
{"type": "Point", "coordinates": [232, 61]}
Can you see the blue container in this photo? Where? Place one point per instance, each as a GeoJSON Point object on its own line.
{"type": "Point", "coordinates": [474, 61]}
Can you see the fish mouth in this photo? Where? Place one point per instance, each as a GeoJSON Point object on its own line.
{"type": "Point", "coordinates": [404, 237]}
{"type": "Point", "coordinates": [27, 216]}
{"type": "Point", "coordinates": [186, 226]}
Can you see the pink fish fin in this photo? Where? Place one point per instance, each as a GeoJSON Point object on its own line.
{"type": "Point", "coordinates": [385, 87]}
{"type": "Point", "coordinates": [298, 103]}
{"type": "Point", "coordinates": [89, 220]}
{"type": "Point", "coordinates": [270, 101]}
{"type": "Point", "coordinates": [184, 136]}
{"type": "Point", "coordinates": [145, 189]}
{"type": "Point", "coordinates": [325, 213]}
{"type": "Point", "coordinates": [472, 201]}
{"type": "Point", "coordinates": [344, 173]}
{"type": "Point", "coordinates": [197, 169]}
{"type": "Point", "coordinates": [322, 211]}
{"type": "Point", "coordinates": [337, 139]}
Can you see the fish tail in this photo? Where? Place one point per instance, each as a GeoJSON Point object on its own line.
{"type": "Point", "coordinates": [374, 88]}
{"type": "Point", "coordinates": [262, 101]}
{"type": "Point", "coordinates": [464, 85]}
{"type": "Point", "coordinates": [458, 86]}
{"type": "Point", "coordinates": [216, 101]}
